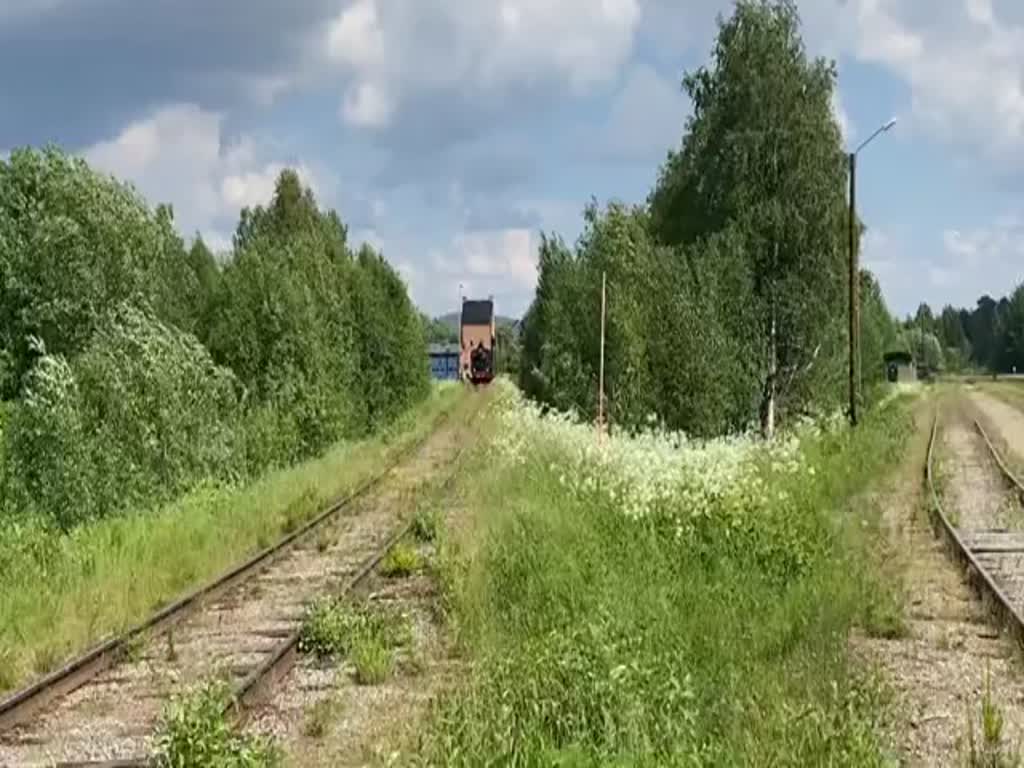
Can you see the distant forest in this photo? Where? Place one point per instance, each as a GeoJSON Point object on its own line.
{"type": "Point", "coordinates": [988, 337]}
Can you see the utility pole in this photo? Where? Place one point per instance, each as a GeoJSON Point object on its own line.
{"type": "Point", "coordinates": [854, 294]}
{"type": "Point", "coordinates": [600, 385]}
{"type": "Point", "coordinates": [855, 276]}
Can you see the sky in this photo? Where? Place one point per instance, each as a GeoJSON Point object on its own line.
{"type": "Point", "coordinates": [451, 133]}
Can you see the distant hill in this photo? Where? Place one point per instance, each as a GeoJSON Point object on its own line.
{"type": "Point", "coordinates": [452, 319]}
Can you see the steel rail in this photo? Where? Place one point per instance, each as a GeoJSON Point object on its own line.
{"type": "Point", "coordinates": [1008, 474]}
{"type": "Point", "coordinates": [979, 577]}
{"type": "Point", "coordinates": [21, 705]}
{"type": "Point", "coordinates": [254, 689]}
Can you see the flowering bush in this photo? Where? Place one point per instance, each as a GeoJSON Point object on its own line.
{"type": "Point", "coordinates": [736, 484]}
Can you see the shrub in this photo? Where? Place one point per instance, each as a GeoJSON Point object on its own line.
{"type": "Point", "coordinates": [141, 416]}
{"type": "Point", "coordinates": [194, 732]}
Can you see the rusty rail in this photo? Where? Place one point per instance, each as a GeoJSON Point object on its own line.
{"type": "Point", "coordinates": [21, 705]}
{"type": "Point", "coordinates": [981, 580]}
{"type": "Point", "coordinates": [254, 689]}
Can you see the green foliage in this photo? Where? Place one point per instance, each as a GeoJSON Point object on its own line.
{"type": "Point", "coordinates": [426, 524]}
{"type": "Point", "coordinates": [334, 627]}
{"type": "Point", "coordinates": [143, 368]}
{"type": "Point", "coordinates": [727, 292]}
{"type": "Point", "coordinates": [437, 331]}
{"type": "Point", "coordinates": [925, 348]}
{"type": "Point", "coordinates": [393, 366]}
{"type": "Point", "coordinates": [601, 639]}
{"type": "Point", "coordinates": [373, 660]}
{"type": "Point", "coordinates": [194, 733]}
{"type": "Point", "coordinates": [60, 593]}
{"type": "Point", "coordinates": [74, 243]}
{"type": "Point", "coordinates": [141, 415]}
{"type": "Point", "coordinates": [763, 154]}
{"type": "Point", "coordinates": [401, 560]}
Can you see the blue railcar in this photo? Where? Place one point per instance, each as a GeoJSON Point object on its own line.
{"type": "Point", "coordinates": [444, 361]}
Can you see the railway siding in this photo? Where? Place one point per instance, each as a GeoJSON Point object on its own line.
{"type": "Point", "coordinates": [112, 717]}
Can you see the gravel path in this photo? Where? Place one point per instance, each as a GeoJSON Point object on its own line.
{"type": "Point", "coordinates": [113, 717]}
{"type": "Point", "coordinates": [938, 670]}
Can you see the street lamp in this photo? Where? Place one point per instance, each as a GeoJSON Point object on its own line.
{"type": "Point", "coordinates": [855, 274]}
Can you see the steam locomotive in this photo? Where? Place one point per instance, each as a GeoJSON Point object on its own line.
{"type": "Point", "coordinates": [477, 341]}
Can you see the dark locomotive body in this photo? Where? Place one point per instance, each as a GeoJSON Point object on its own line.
{"type": "Point", "coordinates": [477, 341]}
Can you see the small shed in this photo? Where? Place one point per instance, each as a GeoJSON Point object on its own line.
{"type": "Point", "coordinates": [899, 367]}
{"type": "Point", "coordinates": [444, 361]}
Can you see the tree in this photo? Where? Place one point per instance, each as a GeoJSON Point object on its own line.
{"type": "Point", "coordinates": [879, 332]}
{"type": "Point", "coordinates": [73, 243]}
{"type": "Point", "coordinates": [763, 153]}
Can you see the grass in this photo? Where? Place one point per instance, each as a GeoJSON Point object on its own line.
{"type": "Point", "coordinates": [401, 560]}
{"type": "Point", "coordinates": [373, 660]}
{"type": "Point", "coordinates": [365, 634]}
{"type": "Point", "coordinates": [992, 752]}
{"type": "Point", "coordinates": [425, 524]}
{"type": "Point", "coordinates": [60, 594]}
{"type": "Point", "coordinates": [596, 639]}
{"type": "Point", "coordinates": [320, 718]}
{"type": "Point", "coordinates": [194, 731]}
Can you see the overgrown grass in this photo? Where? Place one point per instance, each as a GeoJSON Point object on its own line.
{"type": "Point", "coordinates": [365, 634]}
{"type": "Point", "coordinates": [61, 593]}
{"type": "Point", "coordinates": [194, 732]}
{"type": "Point", "coordinates": [400, 561]}
{"type": "Point", "coordinates": [692, 634]}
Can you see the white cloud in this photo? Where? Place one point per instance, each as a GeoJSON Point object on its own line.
{"type": "Point", "coordinates": [390, 49]}
{"type": "Point", "coordinates": [367, 105]}
{"type": "Point", "coordinates": [846, 127]}
{"type": "Point", "coordinates": [179, 154]}
{"type": "Point", "coordinates": [964, 66]}
{"type": "Point", "coordinates": [646, 117]}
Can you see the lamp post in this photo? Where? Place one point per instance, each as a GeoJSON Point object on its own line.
{"type": "Point", "coordinates": [855, 275]}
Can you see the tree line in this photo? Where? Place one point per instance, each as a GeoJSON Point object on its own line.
{"type": "Point", "coordinates": [989, 336]}
{"type": "Point", "coordinates": [134, 367]}
{"type": "Point", "coordinates": [727, 288]}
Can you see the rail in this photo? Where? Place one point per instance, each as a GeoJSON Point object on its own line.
{"type": "Point", "coordinates": [23, 704]}
{"type": "Point", "coordinates": [977, 574]}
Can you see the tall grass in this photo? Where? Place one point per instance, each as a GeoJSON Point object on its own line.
{"type": "Point", "coordinates": [60, 593]}
{"type": "Point", "coordinates": [674, 632]}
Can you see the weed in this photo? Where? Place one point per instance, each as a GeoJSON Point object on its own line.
{"type": "Point", "coordinates": [133, 646]}
{"type": "Point", "coordinates": [366, 635]}
{"type": "Point", "coordinates": [402, 560]}
{"type": "Point", "coordinates": [299, 510]}
{"type": "Point", "coordinates": [373, 660]}
{"type": "Point", "coordinates": [46, 658]}
{"type": "Point", "coordinates": [425, 524]}
{"type": "Point", "coordinates": [172, 653]}
{"type": "Point", "coordinates": [992, 752]}
{"type": "Point", "coordinates": [659, 601]}
{"type": "Point", "coordinates": [320, 717]}
{"type": "Point", "coordinates": [8, 672]}
{"type": "Point", "coordinates": [884, 614]}
{"type": "Point", "coordinates": [324, 540]}
{"type": "Point", "coordinates": [194, 732]}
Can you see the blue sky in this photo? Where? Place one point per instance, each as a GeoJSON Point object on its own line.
{"type": "Point", "coordinates": [451, 132]}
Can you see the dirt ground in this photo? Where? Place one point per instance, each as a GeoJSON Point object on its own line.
{"type": "Point", "coordinates": [938, 670]}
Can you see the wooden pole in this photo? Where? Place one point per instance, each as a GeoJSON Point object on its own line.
{"type": "Point", "coordinates": [600, 391]}
{"type": "Point", "coordinates": [854, 293]}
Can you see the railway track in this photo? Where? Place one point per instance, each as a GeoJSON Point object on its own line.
{"type": "Point", "coordinates": [101, 709]}
{"type": "Point", "coordinates": [993, 558]}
